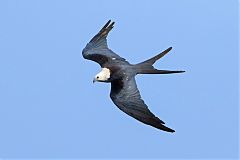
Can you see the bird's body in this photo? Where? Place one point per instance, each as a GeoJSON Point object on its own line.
{"type": "Point", "coordinates": [121, 74]}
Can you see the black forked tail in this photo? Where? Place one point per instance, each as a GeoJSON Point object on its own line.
{"type": "Point", "coordinates": [146, 67]}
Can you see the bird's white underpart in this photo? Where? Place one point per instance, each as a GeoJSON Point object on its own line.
{"type": "Point", "coordinates": [104, 75]}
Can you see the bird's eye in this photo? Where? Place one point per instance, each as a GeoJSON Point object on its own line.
{"type": "Point", "coordinates": [97, 77]}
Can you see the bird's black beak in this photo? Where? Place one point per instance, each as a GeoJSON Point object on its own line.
{"type": "Point", "coordinates": [94, 80]}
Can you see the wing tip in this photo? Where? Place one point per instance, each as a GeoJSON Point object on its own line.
{"type": "Point", "coordinates": [108, 25]}
{"type": "Point", "coordinates": [169, 48]}
{"type": "Point", "coordinates": [106, 28]}
{"type": "Point", "coordinates": [181, 71]}
{"type": "Point", "coordinates": [103, 32]}
{"type": "Point", "coordinates": [171, 131]}
{"type": "Point", "coordinates": [164, 128]}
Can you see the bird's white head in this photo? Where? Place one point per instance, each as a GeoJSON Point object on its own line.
{"type": "Point", "coordinates": [102, 76]}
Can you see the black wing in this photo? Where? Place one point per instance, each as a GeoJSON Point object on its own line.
{"type": "Point", "coordinates": [126, 96]}
{"type": "Point", "coordinates": [97, 49]}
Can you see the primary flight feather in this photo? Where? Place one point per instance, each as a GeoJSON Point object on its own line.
{"type": "Point", "coordinates": [121, 74]}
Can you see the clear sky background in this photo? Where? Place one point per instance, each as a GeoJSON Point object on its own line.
{"type": "Point", "coordinates": [49, 107]}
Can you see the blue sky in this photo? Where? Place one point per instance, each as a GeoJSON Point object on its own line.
{"type": "Point", "coordinates": [49, 107]}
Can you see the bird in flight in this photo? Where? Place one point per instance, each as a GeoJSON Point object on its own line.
{"type": "Point", "coordinates": [121, 74]}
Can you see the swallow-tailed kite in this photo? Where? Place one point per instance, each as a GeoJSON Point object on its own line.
{"type": "Point", "coordinates": [121, 74]}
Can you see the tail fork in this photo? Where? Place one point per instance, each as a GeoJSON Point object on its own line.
{"type": "Point", "coordinates": [146, 67]}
